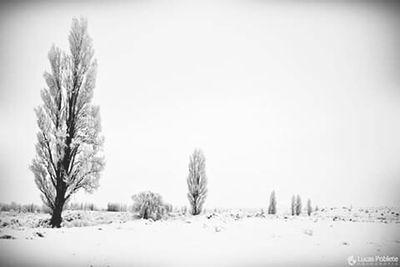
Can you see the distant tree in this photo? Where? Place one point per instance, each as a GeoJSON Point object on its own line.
{"type": "Point", "coordinates": [116, 207]}
{"type": "Point", "coordinates": [293, 205]}
{"type": "Point", "coordinates": [149, 205]}
{"type": "Point", "coordinates": [316, 208]}
{"type": "Point", "coordinates": [309, 207]}
{"type": "Point", "coordinates": [272, 203]}
{"type": "Point", "coordinates": [81, 206]}
{"type": "Point", "coordinates": [69, 143]}
{"type": "Point", "coordinates": [298, 205]}
{"type": "Point", "coordinates": [197, 181]}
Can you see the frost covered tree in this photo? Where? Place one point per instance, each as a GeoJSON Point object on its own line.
{"type": "Point", "coordinates": [309, 207]}
{"type": "Point", "coordinates": [149, 205]}
{"type": "Point", "coordinates": [197, 181]}
{"type": "Point", "coordinates": [293, 205]}
{"type": "Point", "coordinates": [298, 205]}
{"type": "Point", "coordinates": [272, 203]}
{"type": "Point", "coordinates": [68, 152]}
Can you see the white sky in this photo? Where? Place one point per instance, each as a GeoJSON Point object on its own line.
{"type": "Point", "coordinates": [301, 98]}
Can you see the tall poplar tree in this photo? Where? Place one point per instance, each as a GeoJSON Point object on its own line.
{"type": "Point", "coordinates": [197, 181]}
{"type": "Point", "coordinates": [68, 152]}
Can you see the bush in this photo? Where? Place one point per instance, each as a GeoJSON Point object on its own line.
{"type": "Point", "coordinates": [10, 207]}
{"type": "Point", "coordinates": [149, 205]}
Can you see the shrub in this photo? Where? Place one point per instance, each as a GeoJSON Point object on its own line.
{"type": "Point", "coordinates": [10, 207]}
{"type": "Point", "coordinates": [149, 205]}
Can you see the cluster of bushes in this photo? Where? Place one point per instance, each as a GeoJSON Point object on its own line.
{"type": "Point", "coordinates": [82, 206]}
{"type": "Point", "coordinates": [116, 207]}
{"type": "Point", "coordinates": [111, 206]}
{"type": "Point", "coordinates": [21, 208]}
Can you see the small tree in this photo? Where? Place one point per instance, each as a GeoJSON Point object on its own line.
{"type": "Point", "coordinates": [149, 205]}
{"type": "Point", "coordinates": [69, 143]}
{"type": "Point", "coordinates": [272, 204]}
{"type": "Point", "coordinates": [309, 207]}
{"type": "Point", "coordinates": [197, 181]}
{"type": "Point", "coordinates": [298, 205]}
{"type": "Point", "coordinates": [293, 205]}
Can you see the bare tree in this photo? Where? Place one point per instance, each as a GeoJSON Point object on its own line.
{"type": "Point", "coordinates": [309, 207]}
{"type": "Point", "coordinates": [197, 181]}
{"type": "Point", "coordinates": [272, 204]}
{"type": "Point", "coordinates": [68, 152]}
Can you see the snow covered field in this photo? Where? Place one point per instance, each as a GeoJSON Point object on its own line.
{"type": "Point", "coordinates": [224, 238]}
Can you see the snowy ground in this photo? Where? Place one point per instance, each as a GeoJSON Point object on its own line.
{"type": "Point", "coordinates": [228, 238]}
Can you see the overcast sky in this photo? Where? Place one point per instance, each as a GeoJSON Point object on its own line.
{"type": "Point", "coordinates": [299, 97]}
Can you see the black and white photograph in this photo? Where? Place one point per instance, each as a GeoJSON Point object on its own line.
{"type": "Point", "coordinates": [199, 133]}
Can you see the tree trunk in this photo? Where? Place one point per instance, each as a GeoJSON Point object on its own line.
{"type": "Point", "coordinates": [56, 217]}
{"type": "Point", "coordinates": [195, 206]}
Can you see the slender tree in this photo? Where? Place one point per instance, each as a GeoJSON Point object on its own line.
{"type": "Point", "coordinates": [293, 205]}
{"type": "Point", "coordinates": [197, 181]}
{"type": "Point", "coordinates": [68, 152]}
{"type": "Point", "coordinates": [298, 205]}
{"type": "Point", "coordinates": [272, 203]}
{"type": "Point", "coordinates": [309, 207]}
